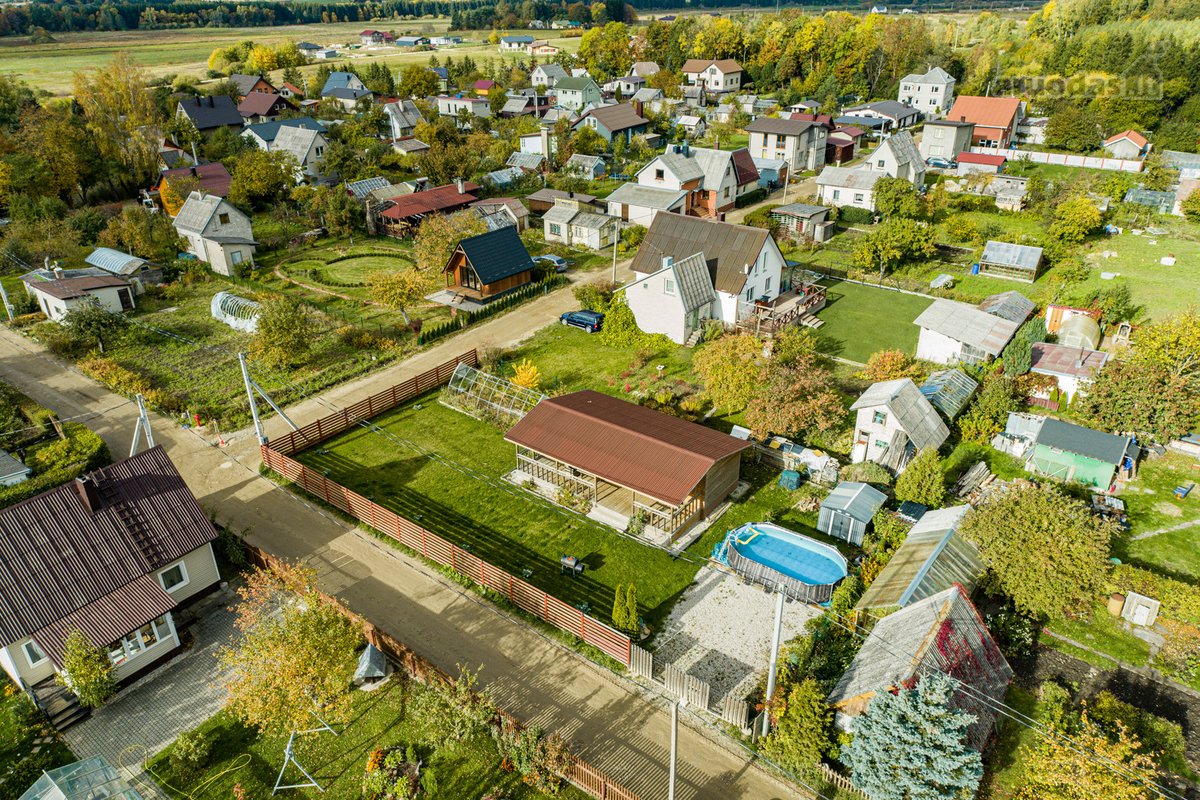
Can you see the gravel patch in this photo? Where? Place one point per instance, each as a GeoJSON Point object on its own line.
{"type": "Point", "coordinates": [720, 632]}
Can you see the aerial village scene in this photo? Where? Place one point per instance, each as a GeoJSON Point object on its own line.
{"type": "Point", "coordinates": [497, 400]}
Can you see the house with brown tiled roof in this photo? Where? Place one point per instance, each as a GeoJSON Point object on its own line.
{"type": "Point", "coordinates": [115, 555]}
{"type": "Point", "coordinates": [995, 118]}
{"type": "Point", "coordinates": [58, 293]}
{"type": "Point", "coordinates": [1127, 144]}
{"type": "Point", "coordinates": [715, 75]}
{"type": "Point", "coordinates": [620, 120]}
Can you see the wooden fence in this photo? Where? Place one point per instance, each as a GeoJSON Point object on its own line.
{"type": "Point", "coordinates": [277, 456]}
{"type": "Point", "coordinates": [839, 781]}
{"type": "Point", "coordinates": [583, 775]}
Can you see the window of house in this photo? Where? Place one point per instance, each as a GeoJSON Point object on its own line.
{"type": "Point", "coordinates": [858, 198]}
{"type": "Point", "coordinates": [223, 219]}
{"type": "Point", "coordinates": [555, 230]}
{"type": "Point", "coordinates": [173, 577]}
{"type": "Point", "coordinates": [658, 174]}
{"type": "Point", "coordinates": [837, 193]}
{"type": "Point", "coordinates": [880, 418]}
{"type": "Point", "coordinates": [725, 192]}
{"type": "Point", "coordinates": [236, 256]}
{"type": "Point", "coordinates": [320, 151]}
{"type": "Point", "coordinates": [668, 286]}
{"type": "Point", "coordinates": [880, 163]}
{"type": "Point", "coordinates": [881, 444]}
{"type": "Point", "coordinates": [33, 653]}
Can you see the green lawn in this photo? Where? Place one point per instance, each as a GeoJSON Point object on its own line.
{"type": "Point", "coordinates": [1160, 289]}
{"type": "Point", "coordinates": [396, 714]}
{"type": "Point", "coordinates": [860, 320]}
{"type": "Point", "coordinates": [1102, 632]}
{"type": "Point", "coordinates": [461, 495]}
{"type": "Point", "coordinates": [1152, 506]}
{"type": "Point", "coordinates": [20, 724]}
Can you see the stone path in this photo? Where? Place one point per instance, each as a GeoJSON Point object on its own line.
{"type": "Point", "coordinates": [1181, 526]}
{"type": "Point", "coordinates": [148, 715]}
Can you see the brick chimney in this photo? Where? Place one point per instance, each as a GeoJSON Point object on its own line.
{"type": "Point", "coordinates": [89, 493]}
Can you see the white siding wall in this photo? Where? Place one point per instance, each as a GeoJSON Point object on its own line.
{"type": "Point", "coordinates": [868, 447]}
{"type": "Point", "coordinates": [938, 348]}
{"type": "Point", "coordinates": [655, 310]}
{"type": "Point", "coordinates": [201, 567]}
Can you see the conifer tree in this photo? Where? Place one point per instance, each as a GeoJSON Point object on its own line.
{"type": "Point", "coordinates": [911, 745]}
{"type": "Point", "coordinates": [923, 480]}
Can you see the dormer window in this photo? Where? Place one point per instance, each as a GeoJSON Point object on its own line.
{"type": "Point", "coordinates": [223, 219]}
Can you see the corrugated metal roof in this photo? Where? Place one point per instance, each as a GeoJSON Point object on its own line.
{"type": "Point", "coordinates": [777, 126]}
{"type": "Point", "coordinates": [858, 500]}
{"type": "Point", "coordinates": [57, 557]}
{"type": "Point", "coordinates": [297, 141]}
{"type": "Point", "coordinates": [616, 118]}
{"type": "Point", "coordinates": [550, 195]}
{"type": "Point", "coordinates": [10, 466]}
{"type": "Point", "coordinates": [967, 324]}
{"type": "Point", "coordinates": [632, 446]}
{"type": "Point", "coordinates": [361, 189]}
{"type": "Point", "coordinates": [108, 618]}
{"type": "Point", "coordinates": [685, 168]}
{"type": "Point", "coordinates": [438, 198]}
{"type": "Point", "coordinates": [931, 559]}
{"type": "Point", "coordinates": [800, 210]}
{"type": "Point", "coordinates": [591, 219]}
{"type": "Point", "coordinates": [903, 147]}
{"type": "Point", "coordinates": [729, 248]}
{"type": "Point", "coordinates": [949, 391]}
{"type": "Point", "coordinates": [1012, 306]}
{"type": "Point", "coordinates": [197, 210]}
{"type": "Point", "coordinates": [68, 288]}
{"type": "Point", "coordinates": [526, 161]}
{"type": "Point", "coordinates": [114, 261]}
{"type": "Point", "coordinates": [1068, 438]}
{"type": "Point", "coordinates": [634, 194]}
{"type": "Point", "coordinates": [695, 284]}
{"type": "Point", "coordinates": [1012, 255]}
{"type": "Point", "coordinates": [850, 177]}
{"type": "Point", "coordinates": [560, 214]}
{"type": "Point", "coordinates": [1059, 359]}
{"type": "Point", "coordinates": [917, 417]}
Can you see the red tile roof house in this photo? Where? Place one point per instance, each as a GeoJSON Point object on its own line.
{"type": "Point", "coordinates": [1127, 144]}
{"type": "Point", "coordinates": [995, 118]}
{"type": "Point", "coordinates": [626, 458]}
{"type": "Point", "coordinates": [969, 162]}
{"type": "Point", "coordinates": [399, 216]}
{"type": "Point", "coordinates": [116, 554]}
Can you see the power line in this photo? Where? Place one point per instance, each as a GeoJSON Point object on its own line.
{"type": "Point", "coordinates": [84, 415]}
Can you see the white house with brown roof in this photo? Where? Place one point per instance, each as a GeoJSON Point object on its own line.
{"type": "Point", "coordinates": [715, 75]}
{"type": "Point", "coordinates": [745, 265]}
{"type": "Point", "coordinates": [114, 555]}
{"type": "Point", "coordinates": [995, 118]}
{"type": "Point", "coordinates": [1072, 368]}
{"type": "Point", "coordinates": [58, 293]}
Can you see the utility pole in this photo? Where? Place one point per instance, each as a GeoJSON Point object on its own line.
{"type": "Point", "coordinates": [775, 637]}
{"type": "Point", "coordinates": [251, 388]}
{"type": "Point", "coordinates": [678, 704]}
{"type": "Point", "coordinates": [616, 238]}
{"type": "Point", "coordinates": [142, 428]}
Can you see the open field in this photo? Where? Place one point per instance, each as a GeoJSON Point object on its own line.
{"type": "Point", "coordinates": [1161, 290]}
{"type": "Point", "coordinates": [50, 67]}
{"type": "Point", "coordinates": [860, 320]}
{"type": "Point", "coordinates": [393, 715]}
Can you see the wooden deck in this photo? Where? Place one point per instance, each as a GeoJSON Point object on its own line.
{"type": "Point", "coordinates": [797, 305]}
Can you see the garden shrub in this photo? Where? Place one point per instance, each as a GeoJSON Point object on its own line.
{"type": "Point", "coordinates": [1015, 633]}
{"type": "Point", "coordinates": [541, 761]}
{"type": "Point", "coordinates": [750, 198]}
{"type": "Point", "coordinates": [595, 295]}
{"type": "Point", "coordinates": [855, 216]}
{"type": "Point", "coordinates": [1180, 653]}
{"type": "Point", "coordinates": [1156, 735]}
{"type": "Point", "coordinates": [115, 376]}
{"type": "Point", "coordinates": [58, 462]}
{"type": "Point", "coordinates": [867, 472]}
{"type": "Point", "coordinates": [56, 339]}
{"type": "Point", "coordinates": [190, 754]}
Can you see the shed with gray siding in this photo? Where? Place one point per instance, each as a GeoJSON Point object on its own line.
{"type": "Point", "coordinates": [848, 510]}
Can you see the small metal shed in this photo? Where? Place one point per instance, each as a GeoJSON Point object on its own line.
{"type": "Point", "coordinates": [847, 511]}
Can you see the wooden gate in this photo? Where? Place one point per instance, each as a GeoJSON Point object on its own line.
{"type": "Point", "coordinates": [736, 712]}
{"type": "Point", "coordinates": [688, 687]}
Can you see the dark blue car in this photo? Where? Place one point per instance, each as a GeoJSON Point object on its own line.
{"type": "Point", "coordinates": [590, 321]}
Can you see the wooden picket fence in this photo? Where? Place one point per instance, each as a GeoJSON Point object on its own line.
{"type": "Point", "coordinates": [840, 782]}
{"type": "Point", "coordinates": [583, 775]}
{"type": "Point", "coordinates": [277, 453]}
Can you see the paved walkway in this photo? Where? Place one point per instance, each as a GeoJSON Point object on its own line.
{"type": "Point", "coordinates": [147, 716]}
{"type": "Point", "coordinates": [607, 718]}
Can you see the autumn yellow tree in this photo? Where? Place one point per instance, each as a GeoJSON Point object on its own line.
{"type": "Point", "coordinates": [121, 115]}
{"type": "Point", "coordinates": [439, 234]}
{"type": "Point", "coordinates": [1056, 770]}
{"type": "Point", "coordinates": [526, 373]}
{"type": "Point", "coordinates": [401, 289]}
{"type": "Point", "coordinates": [296, 654]}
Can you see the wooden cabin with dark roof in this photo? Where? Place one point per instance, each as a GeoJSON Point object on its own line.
{"type": "Point", "coordinates": [486, 266]}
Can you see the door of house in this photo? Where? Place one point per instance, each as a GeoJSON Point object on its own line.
{"type": "Point", "coordinates": [126, 298]}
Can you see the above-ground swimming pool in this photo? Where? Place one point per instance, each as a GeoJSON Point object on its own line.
{"type": "Point", "coordinates": [783, 560]}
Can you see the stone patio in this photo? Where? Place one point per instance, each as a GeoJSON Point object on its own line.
{"type": "Point", "coordinates": [720, 631]}
{"type": "Point", "coordinates": [149, 714]}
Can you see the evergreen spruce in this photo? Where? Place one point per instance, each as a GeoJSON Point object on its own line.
{"type": "Point", "coordinates": [923, 480]}
{"type": "Point", "coordinates": [912, 745]}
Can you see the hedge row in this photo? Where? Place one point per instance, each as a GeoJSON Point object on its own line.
{"type": "Point", "coordinates": [750, 198]}
{"type": "Point", "coordinates": [463, 319]}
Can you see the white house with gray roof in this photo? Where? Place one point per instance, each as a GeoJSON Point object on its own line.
{"type": "Point", "coordinates": [675, 301]}
{"type": "Point", "coordinates": [958, 333]}
{"type": "Point", "coordinates": [894, 421]}
{"type": "Point", "coordinates": [403, 117]}
{"type": "Point", "coordinates": [306, 145]}
{"type": "Point", "coordinates": [572, 222]}
{"type": "Point", "coordinates": [216, 233]}
{"type": "Point", "coordinates": [898, 157]}
{"type": "Point", "coordinates": [848, 186]}
{"type": "Point", "coordinates": [547, 75]}
{"type": "Point", "coordinates": [932, 93]}
{"type": "Point", "coordinates": [642, 204]}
